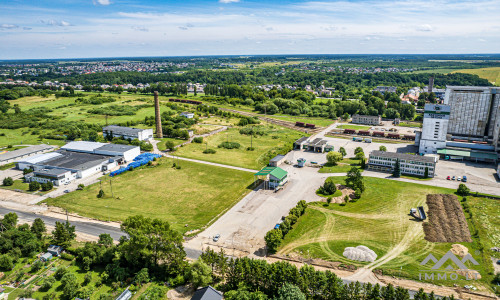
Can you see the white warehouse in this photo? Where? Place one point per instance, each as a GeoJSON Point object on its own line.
{"type": "Point", "coordinates": [77, 160]}
{"type": "Point", "coordinates": [127, 132]}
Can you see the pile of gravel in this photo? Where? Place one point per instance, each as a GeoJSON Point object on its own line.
{"type": "Point", "coordinates": [360, 253]}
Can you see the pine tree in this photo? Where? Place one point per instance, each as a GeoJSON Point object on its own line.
{"type": "Point", "coordinates": [397, 170]}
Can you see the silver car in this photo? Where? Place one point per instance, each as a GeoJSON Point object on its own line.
{"type": "Point", "coordinates": [216, 237]}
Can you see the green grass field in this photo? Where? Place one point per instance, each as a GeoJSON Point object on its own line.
{"type": "Point", "coordinates": [18, 185]}
{"type": "Point", "coordinates": [322, 122]}
{"type": "Point", "coordinates": [380, 221]}
{"type": "Point", "coordinates": [276, 137]}
{"type": "Point", "coordinates": [194, 195]}
{"type": "Point", "coordinates": [342, 167]}
{"type": "Point", "coordinates": [491, 74]}
{"type": "Point", "coordinates": [355, 127]}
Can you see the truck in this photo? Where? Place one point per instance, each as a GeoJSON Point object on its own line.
{"type": "Point", "coordinates": [301, 162]}
{"type": "Point", "coordinates": [368, 140]}
{"type": "Point", "coordinates": [357, 139]}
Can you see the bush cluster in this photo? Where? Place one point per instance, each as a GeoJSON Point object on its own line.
{"type": "Point", "coordinates": [274, 237]}
{"type": "Point", "coordinates": [229, 145]}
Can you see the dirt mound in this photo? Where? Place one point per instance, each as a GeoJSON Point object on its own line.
{"type": "Point", "coordinates": [469, 274]}
{"type": "Point", "coordinates": [360, 253]}
{"type": "Point", "coordinates": [447, 222]}
{"type": "Point", "coordinates": [459, 250]}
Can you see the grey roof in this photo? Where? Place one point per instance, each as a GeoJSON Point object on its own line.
{"type": "Point", "coordinates": [403, 156]}
{"type": "Point", "coordinates": [277, 158]}
{"type": "Point", "coordinates": [82, 146]}
{"type": "Point", "coordinates": [122, 130]}
{"type": "Point", "coordinates": [317, 142]}
{"type": "Point", "coordinates": [75, 160]}
{"type": "Point", "coordinates": [46, 255]}
{"type": "Point", "coordinates": [24, 151]}
{"type": "Point", "coordinates": [301, 140]}
{"type": "Point", "coordinates": [115, 148]}
{"type": "Point", "coordinates": [207, 293]}
{"type": "Point", "coordinates": [51, 172]}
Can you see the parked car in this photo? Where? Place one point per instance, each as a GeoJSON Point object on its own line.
{"type": "Point", "coordinates": [448, 178]}
{"type": "Point", "coordinates": [216, 237]}
{"type": "Point", "coordinates": [459, 178]}
{"type": "Point", "coordinates": [66, 191]}
{"type": "Point", "coordinates": [453, 178]}
{"type": "Point", "coordinates": [276, 226]}
{"type": "Point", "coordinates": [464, 179]}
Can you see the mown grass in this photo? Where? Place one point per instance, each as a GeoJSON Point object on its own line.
{"type": "Point", "coordinates": [193, 195]}
{"type": "Point", "coordinates": [355, 127]}
{"type": "Point", "coordinates": [380, 220]}
{"type": "Point", "coordinates": [342, 167]}
{"type": "Point", "coordinates": [275, 137]}
{"type": "Point", "coordinates": [18, 185]}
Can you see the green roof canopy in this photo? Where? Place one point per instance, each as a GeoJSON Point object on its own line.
{"type": "Point", "coordinates": [465, 153]}
{"type": "Point", "coordinates": [275, 171]}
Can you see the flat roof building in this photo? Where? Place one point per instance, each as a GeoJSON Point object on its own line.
{"type": "Point", "coordinates": [127, 132]}
{"type": "Point", "coordinates": [409, 164]}
{"type": "Point", "coordinates": [76, 160]}
{"type": "Point", "coordinates": [11, 156]}
{"type": "Point", "coordinates": [367, 120]}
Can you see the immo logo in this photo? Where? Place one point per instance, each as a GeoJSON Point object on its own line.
{"type": "Point", "coordinates": [450, 262]}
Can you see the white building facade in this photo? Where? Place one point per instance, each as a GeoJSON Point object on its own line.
{"type": "Point", "coordinates": [409, 164]}
{"type": "Point", "coordinates": [127, 132]}
{"type": "Point", "coordinates": [434, 128]}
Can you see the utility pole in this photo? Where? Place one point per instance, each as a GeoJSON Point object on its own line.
{"type": "Point", "coordinates": [111, 185]}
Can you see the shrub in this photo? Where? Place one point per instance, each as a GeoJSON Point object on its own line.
{"type": "Point", "coordinates": [333, 157]}
{"type": "Point", "coordinates": [80, 186]}
{"type": "Point", "coordinates": [6, 262]}
{"type": "Point", "coordinates": [47, 283]}
{"type": "Point", "coordinates": [357, 194]}
{"type": "Point", "coordinates": [229, 145]}
{"type": "Point", "coordinates": [34, 186]}
{"type": "Point", "coordinates": [198, 140]}
{"type": "Point", "coordinates": [170, 145]}
{"type": "Point", "coordinates": [27, 171]}
{"type": "Point", "coordinates": [37, 265]}
{"type": "Point", "coordinates": [250, 148]}
{"type": "Point", "coordinates": [47, 186]}
{"type": "Point", "coordinates": [60, 273]}
{"type": "Point", "coordinates": [8, 181]}
{"type": "Point", "coordinates": [67, 256]}
{"type": "Point", "coordinates": [209, 151]}
{"type": "Point", "coordinates": [100, 194]}
{"type": "Point", "coordinates": [463, 190]}
{"type": "Point", "coordinates": [328, 188]}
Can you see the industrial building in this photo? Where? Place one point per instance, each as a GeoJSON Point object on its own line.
{"type": "Point", "coordinates": [434, 128]}
{"type": "Point", "coordinates": [466, 127]}
{"type": "Point", "coordinates": [76, 160]}
{"type": "Point", "coordinates": [385, 89]}
{"type": "Point", "coordinates": [367, 120]}
{"type": "Point", "coordinates": [409, 164]}
{"type": "Point", "coordinates": [475, 113]}
{"type": "Point", "coordinates": [317, 145]}
{"type": "Point", "coordinates": [11, 156]}
{"type": "Point", "coordinates": [127, 133]}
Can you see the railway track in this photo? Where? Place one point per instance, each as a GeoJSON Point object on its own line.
{"type": "Point", "coordinates": [283, 123]}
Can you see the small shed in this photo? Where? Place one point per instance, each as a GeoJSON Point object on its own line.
{"type": "Point", "coordinates": [274, 177]}
{"type": "Point", "coordinates": [46, 256]}
{"type": "Point", "coordinates": [300, 143]}
{"type": "Point", "coordinates": [207, 293]}
{"type": "Point", "coordinates": [277, 160]}
{"type": "Point", "coordinates": [188, 115]}
{"type": "Point", "coordinates": [54, 250]}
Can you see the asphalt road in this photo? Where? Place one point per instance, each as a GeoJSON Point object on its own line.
{"type": "Point", "coordinates": [89, 228]}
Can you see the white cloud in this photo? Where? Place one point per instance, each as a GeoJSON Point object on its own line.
{"type": "Point", "coordinates": [102, 2]}
{"type": "Point", "coordinates": [56, 23]}
{"type": "Point", "coordinates": [140, 28]}
{"type": "Point", "coordinates": [9, 26]}
{"type": "Point", "coordinates": [424, 27]}
{"type": "Point", "coordinates": [228, 1]}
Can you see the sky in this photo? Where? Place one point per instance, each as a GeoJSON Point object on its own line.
{"type": "Point", "coordinates": [127, 28]}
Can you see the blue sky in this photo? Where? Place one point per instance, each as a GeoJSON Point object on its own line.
{"type": "Point", "coordinates": [116, 28]}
